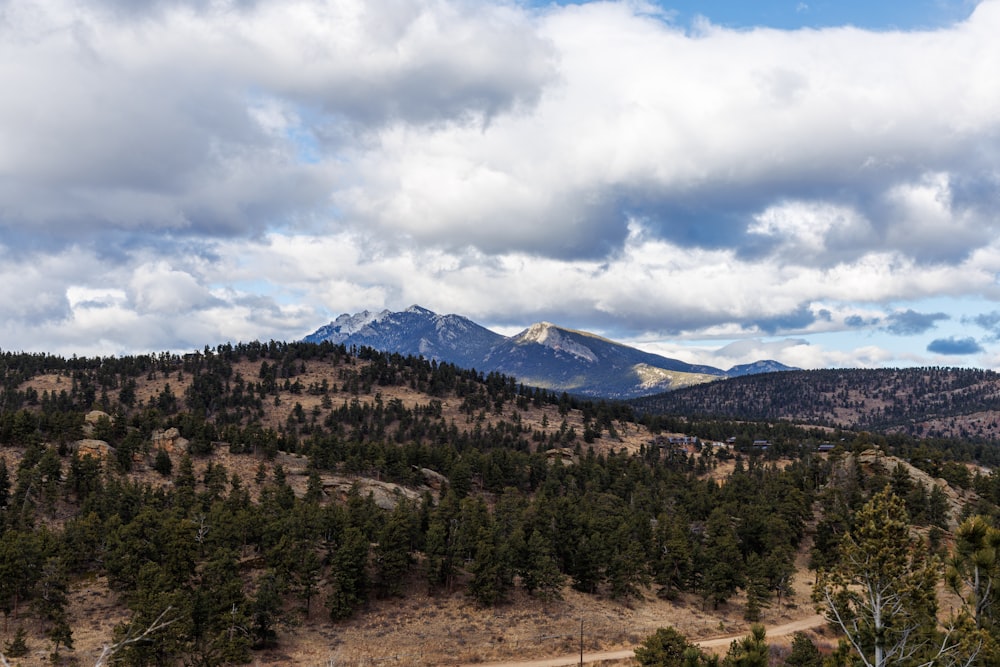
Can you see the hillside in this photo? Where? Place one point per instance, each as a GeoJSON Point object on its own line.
{"type": "Point", "coordinates": [299, 504]}
{"type": "Point", "coordinates": [923, 402]}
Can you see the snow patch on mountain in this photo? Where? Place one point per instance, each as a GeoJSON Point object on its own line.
{"type": "Point", "coordinates": [554, 338]}
{"type": "Point", "coordinates": [347, 325]}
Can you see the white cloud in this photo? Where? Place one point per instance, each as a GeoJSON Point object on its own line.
{"type": "Point", "coordinates": [647, 117]}
{"type": "Point", "coordinates": [158, 288]}
{"type": "Point", "coordinates": [180, 173]}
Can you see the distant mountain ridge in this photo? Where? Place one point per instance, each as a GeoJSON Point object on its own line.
{"type": "Point", "coordinates": [543, 355]}
{"type": "Point", "coordinates": [928, 402]}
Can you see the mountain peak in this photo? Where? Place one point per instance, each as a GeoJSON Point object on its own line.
{"type": "Point", "coordinates": [543, 355]}
{"type": "Point", "coordinates": [537, 332]}
{"type": "Point", "coordinates": [556, 339]}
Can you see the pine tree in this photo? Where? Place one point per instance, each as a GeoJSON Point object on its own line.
{"type": "Point", "coordinates": [184, 483]}
{"type": "Point", "coordinates": [974, 569]}
{"type": "Point", "coordinates": [668, 648]}
{"type": "Point", "coordinates": [882, 592]}
{"type": "Point", "coordinates": [492, 570]}
{"type": "Point", "coordinates": [750, 651]}
{"type": "Point", "coordinates": [162, 463]}
{"type": "Point", "coordinates": [758, 595]}
{"type": "Point", "coordinates": [265, 609]}
{"type": "Point", "coordinates": [804, 652]}
{"type": "Point", "coordinates": [673, 566]}
{"type": "Point", "coordinates": [721, 574]}
{"type": "Point", "coordinates": [17, 647]}
{"type": "Point", "coordinates": [392, 552]}
{"type": "Point", "coordinates": [4, 483]}
{"type": "Point", "coordinates": [51, 602]}
{"type": "Point", "coordinates": [349, 574]}
{"type": "Point", "coordinates": [538, 569]}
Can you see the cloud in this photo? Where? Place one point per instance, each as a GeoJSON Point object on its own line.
{"type": "Point", "coordinates": [152, 125]}
{"type": "Point", "coordinates": [988, 320]}
{"type": "Point", "coordinates": [812, 146]}
{"type": "Point", "coordinates": [954, 346]}
{"type": "Point", "coordinates": [208, 120]}
{"type": "Point", "coordinates": [861, 322]}
{"type": "Point", "coordinates": [910, 323]}
{"type": "Point", "coordinates": [184, 171]}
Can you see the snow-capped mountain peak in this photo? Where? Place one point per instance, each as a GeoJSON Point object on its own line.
{"type": "Point", "coordinates": [347, 325]}
{"type": "Point", "coordinates": [537, 333]}
{"type": "Point", "coordinates": [350, 324]}
{"type": "Point", "coordinates": [543, 355]}
{"type": "Point", "coordinates": [554, 338]}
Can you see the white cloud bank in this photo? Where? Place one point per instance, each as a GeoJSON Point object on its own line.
{"type": "Point", "coordinates": [182, 173]}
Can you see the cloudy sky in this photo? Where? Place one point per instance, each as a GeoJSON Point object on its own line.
{"type": "Point", "coordinates": [816, 182]}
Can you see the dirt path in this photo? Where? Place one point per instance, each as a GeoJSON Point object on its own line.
{"type": "Point", "coordinates": [623, 654]}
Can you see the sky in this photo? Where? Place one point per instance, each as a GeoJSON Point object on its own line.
{"type": "Point", "coordinates": [816, 182]}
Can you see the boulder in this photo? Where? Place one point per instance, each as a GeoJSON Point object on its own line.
{"type": "Point", "coordinates": [171, 441]}
{"type": "Point", "coordinates": [385, 494]}
{"type": "Point", "coordinates": [563, 455]}
{"type": "Point", "coordinates": [94, 416]}
{"type": "Point", "coordinates": [434, 479]}
{"type": "Point", "coordinates": [97, 449]}
{"type": "Point", "coordinates": [91, 418]}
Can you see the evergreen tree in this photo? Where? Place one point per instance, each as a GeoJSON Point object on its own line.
{"type": "Point", "coordinates": [758, 595]}
{"type": "Point", "coordinates": [882, 592]}
{"type": "Point", "coordinates": [4, 483]}
{"type": "Point", "coordinates": [50, 603]}
{"type": "Point", "coordinates": [721, 574]}
{"type": "Point", "coordinates": [672, 567]}
{"type": "Point", "coordinates": [349, 574]}
{"type": "Point", "coordinates": [162, 463]}
{"type": "Point", "coordinates": [184, 484]}
{"type": "Point", "coordinates": [306, 575]}
{"type": "Point", "coordinates": [539, 570]}
{"type": "Point", "coordinates": [750, 651]}
{"type": "Point", "coordinates": [17, 647]}
{"type": "Point", "coordinates": [804, 652]}
{"type": "Point", "coordinates": [392, 552]}
{"type": "Point", "coordinates": [492, 569]}
{"type": "Point", "coordinates": [220, 620]}
{"type": "Point", "coordinates": [265, 610]}
{"type": "Point", "coordinates": [666, 648]}
{"type": "Point", "coordinates": [441, 543]}
{"type": "Point", "coordinates": [974, 569]}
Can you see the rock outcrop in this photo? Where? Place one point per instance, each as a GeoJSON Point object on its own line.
{"type": "Point", "coordinates": [97, 449]}
{"type": "Point", "coordinates": [170, 441]}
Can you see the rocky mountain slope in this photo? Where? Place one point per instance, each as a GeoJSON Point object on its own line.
{"type": "Point", "coordinates": [543, 355]}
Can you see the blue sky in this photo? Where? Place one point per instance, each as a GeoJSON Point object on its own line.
{"type": "Point", "coordinates": [795, 14]}
{"type": "Point", "coordinates": [720, 182]}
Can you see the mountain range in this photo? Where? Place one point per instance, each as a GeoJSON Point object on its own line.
{"type": "Point", "coordinates": [543, 355]}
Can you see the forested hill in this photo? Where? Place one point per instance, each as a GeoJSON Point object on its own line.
{"type": "Point", "coordinates": [254, 496]}
{"type": "Point", "coordinates": [925, 402]}
{"type": "Point", "coordinates": [244, 490]}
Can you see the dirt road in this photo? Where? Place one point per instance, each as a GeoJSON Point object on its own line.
{"type": "Point", "coordinates": [715, 642]}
